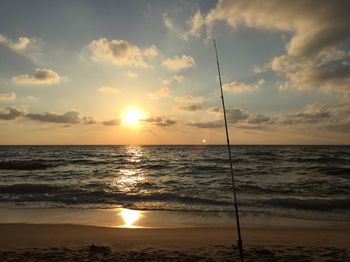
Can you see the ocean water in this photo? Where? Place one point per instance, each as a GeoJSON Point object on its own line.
{"type": "Point", "coordinates": [308, 182]}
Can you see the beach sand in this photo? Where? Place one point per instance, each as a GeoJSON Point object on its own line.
{"type": "Point", "coordinates": [64, 242]}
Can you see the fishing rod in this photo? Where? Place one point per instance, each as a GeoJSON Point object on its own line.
{"type": "Point", "coordinates": [239, 240]}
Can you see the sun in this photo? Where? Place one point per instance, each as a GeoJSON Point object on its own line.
{"type": "Point", "coordinates": [132, 116]}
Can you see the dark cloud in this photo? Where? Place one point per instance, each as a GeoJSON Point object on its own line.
{"type": "Point", "coordinates": [258, 119]}
{"type": "Point", "coordinates": [41, 76]}
{"type": "Point", "coordinates": [331, 117]}
{"type": "Point", "coordinates": [70, 117]}
{"type": "Point", "coordinates": [112, 122]}
{"type": "Point", "coordinates": [191, 108]}
{"type": "Point", "coordinates": [159, 121]}
{"type": "Point", "coordinates": [89, 120]}
{"type": "Point", "coordinates": [210, 124]}
{"type": "Point", "coordinates": [10, 113]}
{"type": "Point", "coordinates": [236, 115]}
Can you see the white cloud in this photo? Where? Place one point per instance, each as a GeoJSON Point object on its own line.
{"type": "Point", "coordinates": [179, 62]}
{"type": "Point", "coordinates": [150, 51]}
{"type": "Point", "coordinates": [168, 23]}
{"type": "Point", "coordinates": [316, 24]}
{"type": "Point", "coordinates": [19, 45]}
{"type": "Point", "coordinates": [240, 87]}
{"type": "Point", "coordinates": [163, 92]}
{"type": "Point", "coordinates": [189, 99]}
{"type": "Point", "coordinates": [131, 74]}
{"type": "Point", "coordinates": [318, 29]}
{"type": "Point", "coordinates": [120, 53]}
{"type": "Point", "coordinates": [107, 89]}
{"type": "Point", "coordinates": [237, 87]}
{"type": "Point", "coordinates": [41, 76]}
{"type": "Point", "coordinates": [194, 26]}
{"type": "Point", "coordinates": [174, 80]}
{"type": "Point", "coordinates": [7, 96]}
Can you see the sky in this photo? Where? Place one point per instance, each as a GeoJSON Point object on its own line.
{"type": "Point", "coordinates": [144, 72]}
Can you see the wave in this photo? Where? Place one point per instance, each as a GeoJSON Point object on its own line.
{"type": "Point", "coordinates": [28, 189]}
{"type": "Point", "coordinates": [70, 195]}
{"type": "Point", "coordinates": [341, 171]}
{"type": "Point", "coordinates": [309, 204]}
{"type": "Point", "coordinates": [27, 165]}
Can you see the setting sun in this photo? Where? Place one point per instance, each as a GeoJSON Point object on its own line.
{"type": "Point", "coordinates": [132, 116]}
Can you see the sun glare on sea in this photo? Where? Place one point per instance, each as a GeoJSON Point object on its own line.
{"type": "Point", "coordinates": [132, 116]}
{"type": "Point", "coordinates": [130, 217]}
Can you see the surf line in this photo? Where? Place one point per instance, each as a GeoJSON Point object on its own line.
{"type": "Point", "coordinates": [239, 237]}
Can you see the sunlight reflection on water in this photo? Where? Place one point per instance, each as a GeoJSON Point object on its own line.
{"type": "Point", "coordinates": [128, 177]}
{"type": "Point", "coordinates": [130, 217]}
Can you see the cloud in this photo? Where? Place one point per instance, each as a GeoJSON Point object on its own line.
{"type": "Point", "coordinates": [150, 51]}
{"type": "Point", "coordinates": [258, 119]}
{"type": "Point", "coordinates": [195, 25]}
{"type": "Point", "coordinates": [11, 113]}
{"type": "Point", "coordinates": [179, 62]}
{"type": "Point", "coordinates": [210, 124]}
{"type": "Point", "coordinates": [112, 122]}
{"type": "Point", "coordinates": [316, 24]}
{"type": "Point", "coordinates": [172, 28]}
{"type": "Point", "coordinates": [29, 47]}
{"type": "Point", "coordinates": [120, 52]}
{"type": "Point", "coordinates": [189, 99]}
{"type": "Point", "coordinates": [190, 108]}
{"type": "Point", "coordinates": [107, 89]}
{"type": "Point", "coordinates": [7, 96]}
{"type": "Point", "coordinates": [131, 74]}
{"type": "Point", "coordinates": [174, 80]}
{"type": "Point", "coordinates": [21, 44]}
{"type": "Point", "coordinates": [163, 92]}
{"type": "Point", "coordinates": [70, 117]}
{"type": "Point", "coordinates": [237, 116]}
{"type": "Point", "coordinates": [240, 87]}
{"type": "Point", "coordinates": [159, 121]}
{"type": "Point", "coordinates": [41, 76]}
{"type": "Point", "coordinates": [318, 28]}
{"type": "Point", "coordinates": [88, 120]}
{"type": "Point", "coordinates": [332, 117]}
{"type": "Point", "coordinates": [168, 23]}
{"type": "Point", "coordinates": [329, 75]}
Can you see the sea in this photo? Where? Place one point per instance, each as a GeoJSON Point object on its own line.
{"type": "Point", "coordinates": [298, 182]}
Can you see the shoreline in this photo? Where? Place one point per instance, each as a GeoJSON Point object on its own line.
{"type": "Point", "coordinates": [124, 217]}
{"type": "Point", "coordinates": [64, 242]}
{"type": "Point", "coordinates": [41, 235]}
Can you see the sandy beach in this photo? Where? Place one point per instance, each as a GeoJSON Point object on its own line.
{"type": "Point", "coordinates": [63, 242]}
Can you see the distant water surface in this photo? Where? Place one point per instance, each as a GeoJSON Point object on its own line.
{"type": "Point", "coordinates": [311, 182]}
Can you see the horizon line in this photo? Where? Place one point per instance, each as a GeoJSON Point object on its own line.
{"type": "Point", "coordinates": [202, 144]}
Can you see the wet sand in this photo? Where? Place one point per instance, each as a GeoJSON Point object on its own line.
{"type": "Point", "coordinates": [63, 242]}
